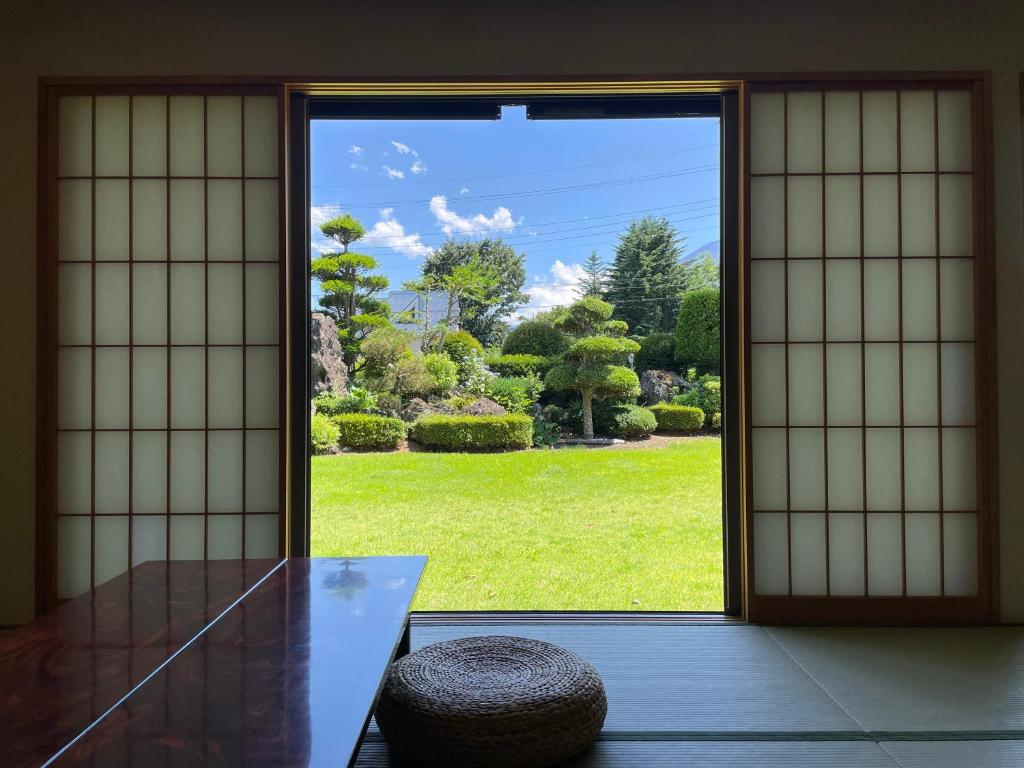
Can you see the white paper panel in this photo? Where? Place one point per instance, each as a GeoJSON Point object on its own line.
{"type": "Point", "coordinates": [224, 135]}
{"type": "Point", "coordinates": [149, 135]}
{"type": "Point", "coordinates": [111, 473]}
{"type": "Point", "coordinates": [149, 303]}
{"type": "Point", "coordinates": [188, 303]}
{"type": "Point", "coordinates": [885, 554]}
{"type": "Point", "coordinates": [149, 538]}
{"type": "Point", "coordinates": [881, 300]}
{"type": "Point", "coordinates": [112, 304]}
{"type": "Point", "coordinates": [187, 535]}
{"type": "Point", "coordinates": [771, 553]}
{"type": "Point", "coordinates": [920, 385]}
{"type": "Point", "coordinates": [803, 217]}
{"type": "Point", "coordinates": [188, 472]}
{"type": "Point", "coordinates": [261, 383]}
{"type": "Point", "coordinates": [920, 319]}
{"type": "Point", "coordinates": [882, 384]}
{"type": "Point", "coordinates": [188, 214]}
{"type": "Point", "coordinates": [842, 300]}
{"type": "Point", "coordinates": [224, 465]}
{"type": "Point", "coordinates": [224, 537]}
{"type": "Point", "coordinates": [806, 375]}
{"type": "Point", "coordinates": [111, 547]}
{"type": "Point", "coordinates": [75, 136]}
{"type": "Point", "coordinates": [807, 469]}
{"type": "Point", "coordinates": [261, 536]}
{"type": "Point", "coordinates": [921, 468]}
{"type": "Point", "coordinates": [767, 217]}
{"type": "Point", "coordinates": [883, 469]}
{"type": "Point", "coordinates": [261, 136]}
{"type": "Point", "coordinates": [767, 132]}
{"type": "Point", "coordinates": [149, 388]}
{"type": "Point", "coordinates": [842, 217]}
{"type": "Point", "coordinates": [74, 388]}
{"type": "Point", "coordinates": [880, 117]}
{"type": "Point", "coordinates": [113, 390]}
{"type": "Point", "coordinates": [806, 322]}
{"type": "Point", "coordinates": [954, 130]}
{"type": "Point", "coordinates": [261, 472]}
{"type": "Point", "coordinates": [261, 220]}
{"type": "Point", "coordinates": [112, 214]}
{"type": "Point", "coordinates": [956, 216]}
{"type": "Point", "coordinates": [186, 135]}
{"type": "Point", "coordinates": [845, 470]}
{"type": "Point", "coordinates": [261, 304]}
{"type": "Point", "coordinates": [960, 541]}
{"type": "Point", "coordinates": [958, 384]}
{"type": "Point", "coordinates": [917, 199]}
{"type": "Point", "coordinates": [923, 555]}
{"type": "Point", "coordinates": [957, 297]}
{"type": "Point", "coordinates": [803, 132]}
{"type": "Point", "coordinates": [74, 473]}
{"type": "Point", "coordinates": [807, 532]}
{"type": "Point", "coordinates": [846, 553]}
{"type": "Point", "coordinates": [768, 384]}
{"type": "Point", "coordinates": [224, 306]}
{"type": "Point", "coordinates": [842, 362]}
{"type": "Point", "coordinates": [150, 220]}
{"type": "Point", "coordinates": [74, 556]}
{"type": "Point", "coordinates": [112, 136]}
{"type": "Point", "coordinates": [224, 376]}
{"type": "Point", "coordinates": [917, 130]}
{"type": "Point", "coordinates": [224, 220]}
{"type": "Point", "coordinates": [769, 468]}
{"type": "Point", "coordinates": [149, 473]}
{"type": "Point", "coordinates": [959, 470]}
{"type": "Point", "coordinates": [75, 309]}
{"type": "Point", "coordinates": [767, 301]}
{"type": "Point", "coordinates": [842, 132]}
{"type": "Point", "coordinates": [881, 217]}
{"type": "Point", "coordinates": [188, 385]}
{"type": "Point", "coordinates": [74, 232]}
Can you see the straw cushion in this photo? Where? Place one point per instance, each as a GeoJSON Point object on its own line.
{"type": "Point", "coordinates": [491, 701]}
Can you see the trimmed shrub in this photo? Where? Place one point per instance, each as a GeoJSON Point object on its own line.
{"type": "Point", "coordinates": [626, 420]}
{"type": "Point", "coordinates": [515, 393]}
{"type": "Point", "coordinates": [535, 337]}
{"type": "Point", "coordinates": [474, 433]}
{"type": "Point", "coordinates": [516, 365]}
{"type": "Point", "coordinates": [707, 396]}
{"type": "Point", "coordinates": [657, 353]}
{"type": "Point", "coordinates": [459, 345]}
{"type": "Point", "coordinates": [363, 432]}
{"type": "Point", "coordinates": [716, 422]}
{"type": "Point", "coordinates": [444, 372]}
{"type": "Point", "coordinates": [323, 433]}
{"type": "Point", "coordinates": [678, 418]}
{"type": "Point", "coordinates": [697, 330]}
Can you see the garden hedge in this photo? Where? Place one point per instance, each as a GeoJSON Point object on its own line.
{"type": "Point", "coordinates": [697, 331]}
{"type": "Point", "coordinates": [365, 432]}
{"type": "Point", "coordinates": [535, 337]}
{"type": "Point", "coordinates": [474, 433]}
{"type": "Point", "coordinates": [626, 420]}
{"type": "Point", "coordinates": [516, 365]}
{"type": "Point", "coordinates": [323, 433]}
{"type": "Point", "coordinates": [678, 418]}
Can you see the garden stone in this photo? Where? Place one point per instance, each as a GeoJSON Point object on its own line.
{"type": "Point", "coordinates": [327, 370]}
{"type": "Point", "coordinates": [483, 407]}
{"type": "Point", "coordinates": [659, 386]}
{"type": "Point", "coordinates": [417, 407]}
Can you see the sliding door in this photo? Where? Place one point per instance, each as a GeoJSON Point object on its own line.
{"type": "Point", "coordinates": [868, 354]}
{"type": "Point", "coordinates": [160, 342]}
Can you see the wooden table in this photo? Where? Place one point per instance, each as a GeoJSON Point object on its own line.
{"type": "Point", "coordinates": [208, 663]}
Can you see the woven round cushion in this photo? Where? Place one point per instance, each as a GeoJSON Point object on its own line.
{"type": "Point", "coordinates": [491, 701]}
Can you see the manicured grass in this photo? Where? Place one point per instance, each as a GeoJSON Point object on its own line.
{"type": "Point", "coordinates": [574, 529]}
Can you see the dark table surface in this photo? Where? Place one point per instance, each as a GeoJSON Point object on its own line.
{"type": "Point", "coordinates": [215, 663]}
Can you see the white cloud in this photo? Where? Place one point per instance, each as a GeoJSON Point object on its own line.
{"type": "Point", "coordinates": [357, 166]}
{"type": "Point", "coordinates": [464, 190]}
{"type": "Point", "coordinates": [354, 150]}
{"type": "Point", "coordinates": [389, 233]}
{"type": "Point", "coordinates": [392, 173]}
{"type": "Point", "coordinates": [317, 216]}
{"type": "Point", "coordinates": [404, 149]}
{"type": "Point", "coordinates": [452, 223]}
{"type": "Point", "coordinates": [418, 167]}
{"type": "Point", "coordinates": [558, 290]}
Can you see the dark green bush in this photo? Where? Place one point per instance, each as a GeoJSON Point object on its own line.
{"type": "Point", "coordinates": [515, 393]}
{"type": "Point", "coordinates": [657, 353]}
{"type": "Point", "coordinates": [323, 433]}
{"type": "Point", "coordinates": [707, 396]}
{"type": "Point", "coordinates": [516, 365]}
{"type": "Point", "coordinates": [474, 433]}
{"type": "Point", "coordinates": [626, 420]}
{"type": "Point", "coordinates": [364, 432]}
{"type": "Point", "coordinates": [535, 337]}
{"type": "Point", "coordinates": [697, 330]}
{"type": "Point", "coordinates": [545, 433]}
{"type": "Point", "coordinates": [678, 418]}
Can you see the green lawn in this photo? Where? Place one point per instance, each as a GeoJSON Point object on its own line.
{"type": "Point", "coordinates": [573, 529]}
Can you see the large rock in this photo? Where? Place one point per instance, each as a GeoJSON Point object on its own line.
{"type": "Point", "coordinates": [327, 369]}
{"type": "Point", "coordinates": [417, 407]}
{"type": "Point", "coordinates": [659, 386]}
{"type": "Point", "coordinates": [483, 407]}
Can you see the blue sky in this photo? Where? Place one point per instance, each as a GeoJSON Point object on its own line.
{"type": "Point", "coordinates": [554, 189]}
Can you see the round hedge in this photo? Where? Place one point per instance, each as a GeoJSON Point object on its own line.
{"type": "Point", "coordinates": [459, 345]}
{"type": "Point", "coordinates": [678, 418]}
{"type": "Point", "coordinates": [366, 432]}
{"type": "Point", "coordinates": [697, 330]}
{"type": "Point", "coordinates": [535, 337]}
{"type": "Point", "coordinates": [474, 433]}
{"type": "Point", "coordinates": [626, 420]}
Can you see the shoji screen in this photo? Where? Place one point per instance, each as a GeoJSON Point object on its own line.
{"type": "Point", "coordinates": [164, 218]}
{"type": "Point", "coordinates": [865, 360]}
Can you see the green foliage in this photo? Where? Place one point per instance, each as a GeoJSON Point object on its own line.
{"type": "Point", "coordinates": [545, 433]}
{"type": "Point", "coordinates": [716, 421]}
{"type": "Point", "coordinates": [358, 400]}
{"type": "Point", "coordinates": [699, 272]}
{"type": "Point", "coordinates": [646, 276]}
{"type": "Point", "coordinates": [328, 403]}
{"type": "Point", "coordinates": [461, 401]}
{"type": "Point", "coordinates": [516, 365]}
{"type": "Point", "coordinates": [390, 365]}
{"type": "Point", "coordinates": [585, 317]}
{"type": "Point", "coordinates": [678, 418]}
{"type": "Point", "coordinates": [444, 372]}
{"type": "Point", "coordinates": [344, 229]}
{"type": "Point", "coordinates": [697, 332]}
{"type": "Point", "coordinates": [595, 278]}
{"type": "Point", "coordinates": [458, 345]}
{"type": "Point", "coordinates": [366, 432]}
{"type": "Point", "coordinates": [323, 433]}
{"type": "Point", "coordinates": [474, 433]}
{"type": "Point", "coordinates": [515, 393]}
{"type": "Point", "coordinates": [657, 353]}
{"type": "Point", "coordinates": [706, 395]}
{"type": "Point", "coordinates": [474, 374]}
{"type": "Point", "coordinates": [626, 420]}
{"type": "Point", "coordinates": [535, 337]}
{"type": "Point", "coordinates": [601, 349]}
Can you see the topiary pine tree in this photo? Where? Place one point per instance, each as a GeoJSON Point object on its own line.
{"type": "Point", "coordinates": [350, 290]}
{"type": "Point", "coordinates": [593, 364]}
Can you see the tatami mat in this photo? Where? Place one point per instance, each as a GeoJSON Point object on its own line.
{"type": "Point", "coordinates": [956, 754]}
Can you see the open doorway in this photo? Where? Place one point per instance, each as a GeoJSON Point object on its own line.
{"type": "Point", "coordinates": [517, 332]}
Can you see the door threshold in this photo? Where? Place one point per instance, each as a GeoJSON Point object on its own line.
{"type": "Point", "coordinates": [424, 618]}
